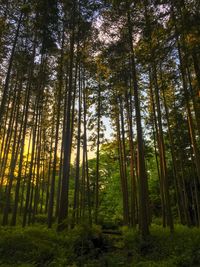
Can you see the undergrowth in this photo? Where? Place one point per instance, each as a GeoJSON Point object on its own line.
{"type": "Point", "coordinates": [88, 246]}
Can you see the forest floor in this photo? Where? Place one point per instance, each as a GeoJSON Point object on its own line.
{"type": "Point", "coordinates": [83, 246]}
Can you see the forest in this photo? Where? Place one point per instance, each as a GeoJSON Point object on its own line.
{"type": "Point", "coordinates": [99, 133]}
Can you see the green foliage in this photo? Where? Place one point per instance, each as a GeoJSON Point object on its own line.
{"type": "Point", "coordinates": [42, 247]}
{"type": "Point", "coordinates": [86, 242]}
{"type": "Point", "coordinates": [110, 195]}
{"type": "Point", "coordinates": [32, 245]}
{"type": "Point", "coordinates": [87, 246]}
{"type": "Point", "coordinates": [162, 248]}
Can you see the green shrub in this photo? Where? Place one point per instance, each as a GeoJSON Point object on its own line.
{"type": "Point", "coordinates": [29, 245]}
{"type": "Point", "coordinates": [87, 246]}
{"type": "Point", "coordinates": [182, 248]}
{"type": "Point", "coordinates": [86, 241]}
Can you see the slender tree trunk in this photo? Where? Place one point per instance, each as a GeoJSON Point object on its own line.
{"type": "Point", "coordinates": [124, 161]}
{"type": "Point", "coordinates": [158, 168]}
{"type": "Point", "coordinates": [12, 163]}
{"type": "Point", "coordinates": [86, 170]}
{"type": "Point", "coordinates": [8, 74]}
{"type": "Point", "coordinates": [77, 175]}
{"type": "Point", "coordinates": [28, 192]}
{"type": "Point", "coordinates": [121, 168]}
{"type": "Point", "coordinates": [38, 173]}
{"type": "Point", "coordinates": [143, 184]}
{"type": "Point", "coordinates": [132, 165]}
{"type": "Point", "coordinates": [63, 211]}
{"type": "Point", "coordinates": [51, 200]}
{"type": "Point", "coordinates": [49, 167]}
{"type": "Point", "coordinates": [98, 154]}
{"type": "Point", "coordinates": [8, 138]}
{"type": "Point", "coordinates": [25, 175]}
{"type": "Point", "coordinates": [163, 164]}
{"type": "Point", "coordinates": [23, 140]}
{"type": "Point", "coordinates": [185, 90]}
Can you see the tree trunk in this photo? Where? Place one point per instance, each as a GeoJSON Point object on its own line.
{"type": "Point", "coordinates": [143, 184]}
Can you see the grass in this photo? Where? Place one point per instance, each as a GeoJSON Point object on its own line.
{"type": "Point", "coordinates": [84, 246]}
